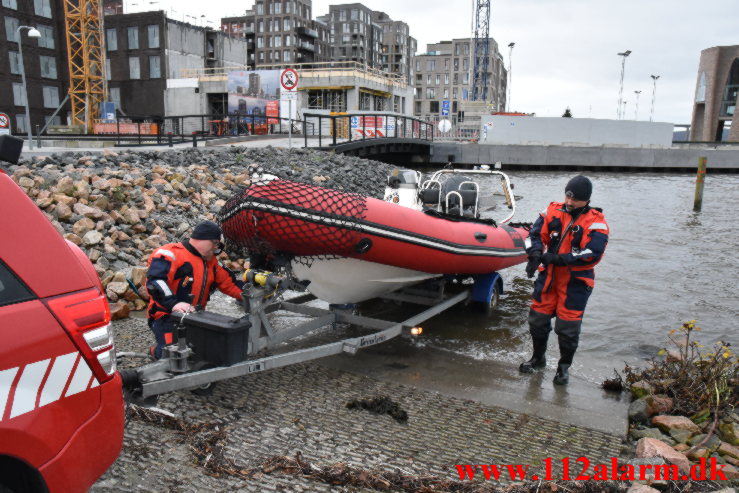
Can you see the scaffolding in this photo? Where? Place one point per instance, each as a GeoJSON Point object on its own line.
{"type": "Point", "coordinates": [86, 57]}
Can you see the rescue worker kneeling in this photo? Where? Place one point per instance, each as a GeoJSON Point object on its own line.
{"type": "Point", "coordinates": [575, 236]}
{"type": "Point", "coordinates": [181, 278]}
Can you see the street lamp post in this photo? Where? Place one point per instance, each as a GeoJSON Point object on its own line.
{"type": "Point", "coordinates": [621, 86]}
{"type": "Point", "coordinates": [636, 111]}
{"type": "Point", "coordinates": [654, 94]}
{"type": "Point", "coordinates": [510, 74]}
{"type": "Point", "coordinates": [32, 33]}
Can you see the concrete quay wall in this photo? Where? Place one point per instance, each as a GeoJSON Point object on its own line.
{"type": "Point", "coordinates": [545, 156]}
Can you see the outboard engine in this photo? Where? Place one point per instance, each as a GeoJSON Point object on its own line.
{"type": "Point", "coordinates": [402, 189]}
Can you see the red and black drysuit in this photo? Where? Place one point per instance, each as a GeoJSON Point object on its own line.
{"type": "Point", "coordinates": [177, 272]}
{"type": "Point", "coordinates": [572, 243]}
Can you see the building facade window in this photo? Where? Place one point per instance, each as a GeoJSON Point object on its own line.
{"type": "Point", "coordinates": [42, 8]}
{"type": "Point", "coordinates": [153, 36]}
{"type": "Point", "coordinates": [20, 123]}
{"type": "Point", "coordinates": [111, 39]}
{"type": "Point", "coordinates": [11, 28]}
{"type": "Point", "coordinates": [48, 67]}
{"type": "Point", "coordinates": [51, 96]}
{"type": "Point", "coordinates": [438, 79]}
{"type": "Point", "coordinates": [133, 38]}
{"type": "Point", "coordinates": [11, 4]}
{"type": "Point", "coordinates": [47, 37]}
{"type": "Point", "coordinates": [115, 96]}
{"type": "Point", "coordinates": [700, 93]}
{"type": "Point", "coordinates": [57, 120]}
{"type": "Point", "coordinates": [430, 93]}
{"type": "Point", "coordinates": [446, 78]}
{"type": "Point", "coordinates": [15, 62]}
{"type": "Point", "coordinates": [107, 69]}
{"type": "Point", "coordinates": [155, 67]}
{"type": "Point", "coordinates": [327, 99]}
{"type": "Point", "coordinates": [260, 9]}
{"type": "Point", "coordinates": [134, 68]}
{"type": "Point", "coordinates": [446, 93]}
{"type": "Point", "coordinates": [19, 97]}
{"type": "Point", "coordinates": [433, 107]}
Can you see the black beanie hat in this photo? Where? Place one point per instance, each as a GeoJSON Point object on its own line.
{"type": "Point", "coordinates": [579, 188]}
{"type": "Point", "coordinates": [206, 230]}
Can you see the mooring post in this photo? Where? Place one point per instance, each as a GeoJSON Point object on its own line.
{"type": "Point", "coordinates": [700, 180]}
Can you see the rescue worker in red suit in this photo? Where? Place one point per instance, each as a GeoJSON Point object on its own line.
{"type": "Point", "coordinates": [567, 241]}
{"type": "Point", "coordinates": [181, 278]}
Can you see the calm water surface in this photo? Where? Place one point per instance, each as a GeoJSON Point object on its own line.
{"type": "Point", "coordinates": [664, 265]}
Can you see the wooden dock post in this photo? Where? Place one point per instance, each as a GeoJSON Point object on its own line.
{"type": "Point", "coordinates": [700, 180]}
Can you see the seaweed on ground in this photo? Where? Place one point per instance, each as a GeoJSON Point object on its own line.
{"type": "Point", "coordinates": [380, 405]}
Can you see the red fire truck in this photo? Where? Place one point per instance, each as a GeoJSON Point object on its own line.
{"type": "Point", "coordinates": [61, 403]}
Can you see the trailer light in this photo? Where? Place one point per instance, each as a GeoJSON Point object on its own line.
{"type": "Point", "coordinates": [416, 331]}
{"type": "Point", "coordinates": [107, 361]}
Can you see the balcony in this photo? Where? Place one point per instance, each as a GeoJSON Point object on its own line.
{"type": "Point", "coordinates": [304, 31]}
{"type": "Point", "coordinates": [306, 46]}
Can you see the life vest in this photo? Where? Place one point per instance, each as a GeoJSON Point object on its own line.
{"type": "Point", "coordinates": [178, 273]}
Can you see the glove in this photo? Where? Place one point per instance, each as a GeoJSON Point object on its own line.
{"type": "Point", "coordinates": [534, 261]}
{"type": "Point", "coordinates": [552, 258]}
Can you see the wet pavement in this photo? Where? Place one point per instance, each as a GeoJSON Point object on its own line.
{"type": "Point", "coordinates": [460, 412]}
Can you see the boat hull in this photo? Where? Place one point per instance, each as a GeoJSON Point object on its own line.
{"type": "Point", "coordinates": [349, 280]}
{"type": "Point", "coordinates": [304, 220]}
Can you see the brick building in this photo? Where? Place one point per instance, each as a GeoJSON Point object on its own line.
{"type": "Point", "coordinates": [44, 60]}
{"type": "Point", "coordinates": [146, 49]}
{"type": "Point", "coordinates": [280, 33]}
{"type": "Point", "coordinates": [716, 93]}
{"type": "Point", "coordinates": [444, 73]}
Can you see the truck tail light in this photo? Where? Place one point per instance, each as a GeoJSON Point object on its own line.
{"type": "Point", "coordinates": [85, 316]}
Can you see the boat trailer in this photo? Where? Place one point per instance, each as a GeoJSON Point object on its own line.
{"type": "Point", "coordinates": [212, 347]}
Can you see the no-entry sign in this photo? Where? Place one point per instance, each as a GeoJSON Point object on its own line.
{"type": "Point", "coordinates": [4, 124]}
{"type": "Point", "coordinates": [289, 79]}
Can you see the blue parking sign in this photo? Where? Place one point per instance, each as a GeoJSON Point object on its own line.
{"type": "Point", "coordinates": [445, 107]}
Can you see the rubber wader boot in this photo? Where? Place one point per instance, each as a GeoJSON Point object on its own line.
{"type": "Point", "coordinates": [568, 332]}
{"type": "Point", "coordinates": [562, 377]}
{"type": "Point", "coordinates": [537, 360]}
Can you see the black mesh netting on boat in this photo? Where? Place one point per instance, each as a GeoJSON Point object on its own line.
{"type": "Point", "coordinates": [294, 218]}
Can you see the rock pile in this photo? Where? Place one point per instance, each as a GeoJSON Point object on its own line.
{"type": "Point", "coordinates": [679, 440]}
{"type": "Point", "coordinates": [119, 206]}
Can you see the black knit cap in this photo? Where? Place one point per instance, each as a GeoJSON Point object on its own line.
{"type": "Point", "coordinates": [206, 230]}
{"type": "Point", "coordinates": [579, 188]}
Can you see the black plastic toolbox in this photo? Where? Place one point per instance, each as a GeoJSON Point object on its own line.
{"type": "Point", "coordinates": [218, 339]}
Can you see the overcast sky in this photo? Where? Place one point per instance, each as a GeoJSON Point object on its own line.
{"type": "Point", "coordinates": [566, 50]}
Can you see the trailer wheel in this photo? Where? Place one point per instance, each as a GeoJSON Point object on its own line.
{"type": "Point", "coordinates": [207, 389]}
{"type": "Point", "coordinates": [492, 303]}
{"type": "Point", "coordinates": [204, 391]}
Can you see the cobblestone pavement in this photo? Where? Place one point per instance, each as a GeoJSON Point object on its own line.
{"type": "Point", "coordinates": [302, 408]}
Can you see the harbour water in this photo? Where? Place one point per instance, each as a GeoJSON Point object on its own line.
{"type": "Point", "coordinates": [664, 265]}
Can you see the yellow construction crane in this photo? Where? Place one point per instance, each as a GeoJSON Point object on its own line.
{"type": "Point", "coordinates": [86, 57]}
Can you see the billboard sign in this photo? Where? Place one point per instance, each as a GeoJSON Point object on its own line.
{"type": "Point", "coordinates": [372, 126]}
